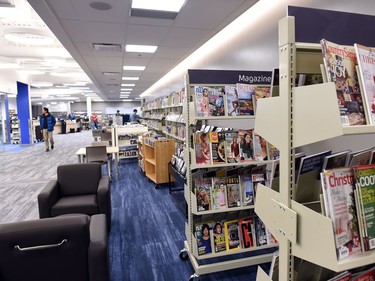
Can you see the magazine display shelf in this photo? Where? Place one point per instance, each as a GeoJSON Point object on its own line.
{"type": "Point", "coordinates": [190, 250]}
{"type": "Point", "coordinates": [121, 138]}
{"type": "Point", "coordinates": [311, 236]}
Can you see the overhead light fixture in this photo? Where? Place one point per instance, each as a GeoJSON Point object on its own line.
{"type": "Point", "coordinates": [75, 84]}
{"type": "Point", "coordinates": [134, 67]}
{"type": "Point", "coordinates": [6, 63]}
{"type": "Point", "coordinates": [41, 84]}
{"type": "Point", "coordinates": [125, 89]}
{"type": "Point", "coordinates": [125, 92]}
{"type": "Point", "coordinates": [160, 5]}
{"type": "Point", "coordinates": [66, 74]}
{"type": "Point", "coordinates": [140, 48]}
{"type": "Point", "coordinates": [127, 100]}
{"type": "Point", "coordinates": [31, 72]}
{"type": "Point", "coordinates": [79, 88]}
{"type": "Point", "coordinates": [130, 78]}
{"type": "Point", "coordinates": [28, 36]}
{"type": "Point", "coordinates": [137, 98]}
{"type": "Point", "coordinates": [127, 85]}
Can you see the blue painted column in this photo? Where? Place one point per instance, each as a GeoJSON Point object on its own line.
{"type": "Point", "coordinates": [24, 111]}
{"type": "Point", "coordinates": [6, 119]}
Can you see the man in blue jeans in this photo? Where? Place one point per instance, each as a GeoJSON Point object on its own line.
{"type": "Point", "coordinates": [47, 124]}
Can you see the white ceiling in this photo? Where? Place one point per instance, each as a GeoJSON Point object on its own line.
{"type": "Point", "coordinates": [76, 25]}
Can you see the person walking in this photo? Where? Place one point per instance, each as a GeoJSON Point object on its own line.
{"type": "Point", "coordinates": [134, 117]}
{"type": "Point", "coordinates": [47, 124]}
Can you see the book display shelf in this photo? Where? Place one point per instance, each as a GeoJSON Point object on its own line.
{"type": "Point", "coordinates": [228, 258]}
{"type": "Point", "coordinates": [126, 138]}
{"type": "Point", "coordinates": [300, 231]}
{"type": "Point", "coordinates": [156, 155]}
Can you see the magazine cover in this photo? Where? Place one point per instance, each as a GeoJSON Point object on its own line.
{"type": "Point", "coordinates": [219, 237]}
{"type": "Point", "coordinates": [260, 232]}
{"type": "Point", "coordinates": [340, 64]}
{"type": "Point", "coordinates": [203, 194]}
{"type": "Point", "coordinates": [366, 64]}
{"type": "Point", "coordinates": [232, 235]}
{"type": "Point", "coordinates": [247, 232]}
{"type": "Point", "coordinates": [273, 152]}
{"type": "Point", "coordinates": [260, 148]}
{"type": "Point", "coordinates": [336, 160]}
{"type": "Point", "coordinates": [203, 233]}
{"type": "Point", "coordinates": [217, 140]}
{"type": "Point", "coordinates": [233, 192]}
{"type": "Point", "coordinates": [365, 184]}
{"type": "Point", "coordinates": [232, 101]}
{"type": "Point", "coordinates": [339, 189]}
{"type": "Point", "coordinates": [232, 147]}
{"type": "Point", "coordinates": [216, 101]}
{"type": "Point", "coordinates": [245, 138]}
{"type": "Point", "coordinates": [245, 97]}
{"type": "Point", "coordinates": [202, 101]}
{"type": "Point", "coordinates": [261, 92]}
{"type": "Point", "coordinates": [202, 148]}
{"type": "Point", "coordinates": [247, 190]}
{"type": "Point", "coordinates": [219, 196]}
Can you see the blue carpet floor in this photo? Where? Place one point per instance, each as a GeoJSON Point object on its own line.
{"type": "Point", "coordinates": [147, 233]}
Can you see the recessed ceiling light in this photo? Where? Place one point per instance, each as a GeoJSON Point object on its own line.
{"type": "Point", "coordinates": [133, 67]}
{"type": "Point", "coordinates": [100, 6]}
{"type": "Point", "coordinates": [28, 36]}
{"type": "Point", "coordinates": [127, 85]}
{"type": "Point", "coordinates": [124, 92]}
{"type": "Point", "coordinates": [125, 89]}
{"type": "Point", "coordinates": [138, 98]}
{"type": "Point", "coordinates": [42, 84]}
{"type": "Point", "coordinates": [127, 100]}
{"type": "Point", "coordinates": [140, 48]}
{"type": "Point", "coordinates": [160, 5]}
{"type": "Point", "coordinates": [130, 78]}
{"type": "Point", "coordinates": [66, 74]}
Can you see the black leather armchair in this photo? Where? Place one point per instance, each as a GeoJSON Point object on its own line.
{"type": "Point", "coordinates": [69, 247]}
{"type": "Point", "coordinates": [79, 188]}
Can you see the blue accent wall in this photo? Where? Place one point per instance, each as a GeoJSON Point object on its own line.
{"type": "Point", "coordinates": [7, 119]}
{"type": "Point", "coordinates": [23, 111]}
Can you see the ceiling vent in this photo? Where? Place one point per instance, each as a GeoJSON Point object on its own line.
{"type": "Point", "coordinates": [113, 85]}
{"type": "Point", "coordinates": [108, 47]}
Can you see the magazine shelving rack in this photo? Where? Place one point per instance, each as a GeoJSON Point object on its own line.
{"type": "Point", "coordinates": [311, 236]}
{"type": "Point", "coordinates": [233, 260]}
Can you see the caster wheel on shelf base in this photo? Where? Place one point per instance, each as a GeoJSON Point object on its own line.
{"type": "Point", "coordinates": [183, 255]}
{"type": "Point", "coordinates": [194, 277]}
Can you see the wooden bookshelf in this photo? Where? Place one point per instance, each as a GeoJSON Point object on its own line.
{"type": "Point", "coordinates": [157, 154]}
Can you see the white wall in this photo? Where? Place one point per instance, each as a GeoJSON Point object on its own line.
{"type": "Point", "coordinates": [107, 107]}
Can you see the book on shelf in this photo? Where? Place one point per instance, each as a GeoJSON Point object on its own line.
{"type": "Point", "coordinates": [247, 232]}
{"type": "Point", "coordinates": [340, 64]}
{"type": "Point", "coordinates": [245, 138]}
{"type": "Point", "coordinates": [336, 160]}
{"type": "Point", "coordinates": [366, 64]}
{"type": "Point", "coordinates": [203, 194]}
{"type": "Point", "coordinates": [338, 193]}
{"type": "Point", "coordinates": [216, 101]}
{"type": "Point", "coordinates": [258, 175]}
{"type": "Point", "coordinates": [202, 101]}
{"type": "Point", "coordinates": [219, 237]}
{"type": "Point", "coordinates": [232, 147]}
{"type": "Point", "coordinates": [245, 98]}
{"type": "Point", "coordinates": [365, 185]}
{"type": "Point", "coordinates": [219, 196]}
{"type": "Point", "coordinates": [202, 148]}
{"type": "Point", "coordinates": [275, 82]}
{"type": "Point", "coordinates": [308, 177]}
{"type": "Point", "coordinates": [247, 189]}
{"type": "Point", "coordinates": [203, 235]}
{"type": "Point", "coordinates": [232, 101]}
{"type": "Point", "coordinates": [233, 192]}
{"type": "Point", "coordinates": [232, 235]}
{"type": "Point", "coordinates": [361, 157]}
{"type": "Point", "coordinates": [217, 140]}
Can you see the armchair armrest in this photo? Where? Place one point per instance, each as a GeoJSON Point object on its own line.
{"type": "Point", "coordinates": [47, 197]}
{"type": "Point", "coordinates": [98, 250]}
{"type": "Point", "coordinates": [104, 198]}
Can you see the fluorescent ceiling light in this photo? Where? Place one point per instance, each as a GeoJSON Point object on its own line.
{"type": "Point", "coordinates": [79, 88]}
{"type": "Point", "coordinates": [130, 78]}
{"type": "Point", "coordinates": [127, 100]}
{"type": "Point", "coordinates": [160, 5]}
{"type": "Point", "coordinates": [42, 84]}
{"type": "Point", "coordinates": [75, 84]}
{"type": "Point", "coordinates": [6, 63]}
{"type": "Point", "coordinates": [127, 85]}
{"type": "Point", "coordinates": [133, 67]}
{"type": "Point", "coordinates": [28, 36]}
{"type": "Point", "coordinates": [31, 72]}
{"type": "Point", "coordinates": [138, 98]}
{"type": "Point", "coordinates": [66, 74]}
{"type": "Point", "coordinates": [126, 90]}
{"type": "Point", "coordinates": [140, 48]}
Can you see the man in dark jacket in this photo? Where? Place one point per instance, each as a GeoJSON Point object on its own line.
{"type": "Point", "coordinates": [47, 124]}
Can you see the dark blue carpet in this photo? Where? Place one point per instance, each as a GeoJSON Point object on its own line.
{"type": "Point", "coordinates": [147, 233]}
